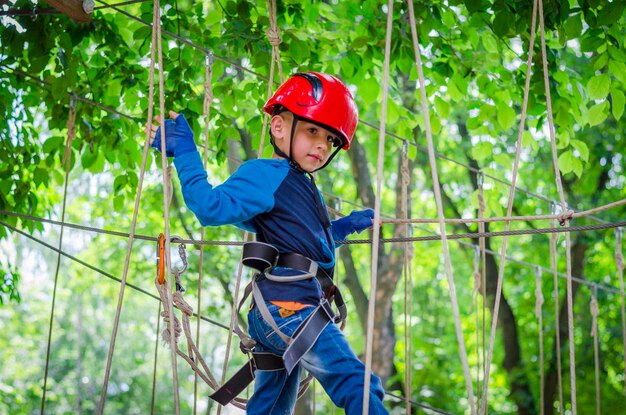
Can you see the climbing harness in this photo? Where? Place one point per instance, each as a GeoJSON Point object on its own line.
{"type": "Point", "coordinates": [263, 258]}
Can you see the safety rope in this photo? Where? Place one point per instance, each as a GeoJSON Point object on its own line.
{"type": "Point", "coordinates": [131, 235]}
{"type": "Point", "coordinates": [593, 309]}
{"type": "Point", "coordinates": [539, 315]}
{"type": "Point", "coordinates": [619, 262]}
{"type": "Point", "coordinates": [66, 161]}
{"type": "Point", "coordinates": [408, 279]}
{"type": "Point", "coordinates": [559, 185]}
{"type": "Point", "coordinates": [273, 35]}
{"type": "Point", "coordinates": [557, 324]}
{"type": "Point", "coordinates": [457, 236]}
{"type": "Point", "coordinates": [439, 155]}
{"type": "Point", "coordinates": [218, 324]}
{"type": "Point", "coordinates": [156, 358]}
{"type": "Point", "coordinates": [369, 335]}
{"type": "Point", "coordinates": [206, 110]}
{"type": "Point", "coordinates": [474, 307]}
{"type": "Point", "coordinates": [562, 217]}
{"type": "Point", "coordinates": [509, 210]}
{"type": "Point", "coordinates": [440, 212]}
{"type": "Point", "coordinates": [480, 181]}
{"type": "Point", "coordinates": [167, 192]}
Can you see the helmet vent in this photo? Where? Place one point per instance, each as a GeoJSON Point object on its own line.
{"type": "Point", "coordinates": [316, 85]}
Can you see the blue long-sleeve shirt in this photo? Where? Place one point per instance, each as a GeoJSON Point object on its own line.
{"type": "Point", "coordinates": [273, 200]}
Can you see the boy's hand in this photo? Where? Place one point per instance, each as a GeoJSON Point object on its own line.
{"type": "Point", "coordinates": [178, 135]}
{"type": "Point", "coordinates": [356, 221]}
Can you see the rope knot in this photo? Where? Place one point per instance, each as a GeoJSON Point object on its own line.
{"type": "Point", "coordinates": [563, 217]}
{"type": "Point", "coordinates": [273, 35]}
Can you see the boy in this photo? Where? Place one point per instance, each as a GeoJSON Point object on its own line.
{"type": "Point", "coordinates": [313, 117]}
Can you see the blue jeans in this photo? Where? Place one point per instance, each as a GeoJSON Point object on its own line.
{"type": "Point", "coordinates": [330, 361]}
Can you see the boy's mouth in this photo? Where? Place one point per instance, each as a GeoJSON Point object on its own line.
{"type": "Point", "coordinates": [316, 156]}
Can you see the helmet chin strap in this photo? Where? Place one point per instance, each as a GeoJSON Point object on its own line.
{"type": "Point", "coordinates": [323, 214]}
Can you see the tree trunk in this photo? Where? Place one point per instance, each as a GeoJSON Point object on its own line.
{"type": "Point", "coordinates": [389, 273]}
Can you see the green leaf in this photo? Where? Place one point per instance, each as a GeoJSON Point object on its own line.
{"type": "Point", "coordinates": [454, 92]}
{"type": "Point", "coordinates": [502, 23]}
{"type": "Point", "coordinates": [119, 183]}
{"type": "Point", "coordinates": [573, 26]}
{"type": "Point", "coordinates": [591, 44]}
{"type": "Point", "coordinates": [598, 86]}
{"type": "Point", "coordinates": [582, 149]}
{"type": "Point", "coordinates": [490, 43]}
{"type": "Point", "coordinates": [566, 162]}
{"type": "Point", "coordinates": [118, 203]}
{"type": "Point", "coordinates": [482, 150]}
{"type": "Point", "coordinates": [577, 167]}
{"type": "Point", "coordinates": [59, 88]}
{"type": "Point", "coordinates": [52, 145]}
{"type": "Point", "coordinates": [617, 101]}
{"type": "Point", "coordinates": [597, 113]}
{"type": "Point", "coordinates": [618, 70]}
{"type": "Point", "coordinates": [368, 91]}
{"type": "Point", "coordinates": [503, 159]}
{"type": "Point", "coordinates": [528, 140]}
{"type": "Point", "coordinates": [505, 115]}
{"type": "Point", "coordinates": [442, 107]}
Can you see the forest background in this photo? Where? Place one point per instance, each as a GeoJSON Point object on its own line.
{"type": "Point", "coordinates": [474, 53]}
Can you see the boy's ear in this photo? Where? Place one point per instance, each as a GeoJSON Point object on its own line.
{"type": "Point", "coordinates": [278, 127]}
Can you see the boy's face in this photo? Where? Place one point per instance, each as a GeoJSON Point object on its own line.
{"type": "Point", "coordinates": [312, 144]}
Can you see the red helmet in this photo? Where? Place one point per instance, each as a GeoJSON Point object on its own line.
{"type": "Point", "coordinates": [320, 98]}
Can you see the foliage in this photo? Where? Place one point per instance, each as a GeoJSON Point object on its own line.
{"type": "Point", "coordinates": [474, 53]}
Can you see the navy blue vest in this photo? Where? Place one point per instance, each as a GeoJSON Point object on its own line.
{"type": "Point", "coordinates": [273, 200]}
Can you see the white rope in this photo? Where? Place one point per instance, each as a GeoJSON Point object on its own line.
{"type": "Point", "coordinates": [557, 324]}
{"type": "Point", "coordinates": [206, 109]}
{"type": "Point", "coordinates": [593, 309]}
{"type": "Point", "coordinates": [568, 242]}
{"type": "Point", "coordinates": [619, 262]}
{"type": "Point", "coordinates": [273, 34]}
{"type": "Point", "coordinates": [440, 213]}
{"type": "Point", "coordinates": [67, 161]}
{"type": "Point", "coordinates": [539, 314]}
{"type": "Point", "coordinates": [133, 225]}
{"type": "Point", "coordinates": [509, 210]}
{"type": "Point", "coordinates": [408, 281]}
{"type": "Point", "coordinates": [167, 191]}
{"type": "Point", "coordinates": [371, 308]}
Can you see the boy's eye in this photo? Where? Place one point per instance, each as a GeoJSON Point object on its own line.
{"type": "Point", "coordinates": [334, 140]}
{"type": "Point", "coordinates": [313, 130]}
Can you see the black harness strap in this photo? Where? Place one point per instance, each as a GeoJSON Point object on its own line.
{"type": "Point", "coordinates": [263, 257]}
{"type": "Point", "coordinates": [244, 376]}
{"type": "Point", "coordinates": [307, 334]}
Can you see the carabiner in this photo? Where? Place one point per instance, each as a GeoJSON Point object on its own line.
{"type": "Point", "coordinates": [161, 258]}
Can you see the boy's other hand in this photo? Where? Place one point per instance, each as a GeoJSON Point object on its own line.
{"type": "Point", "coordinates": [178, 135]}
{"type": "Point", "coordinates": [356, 221]}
